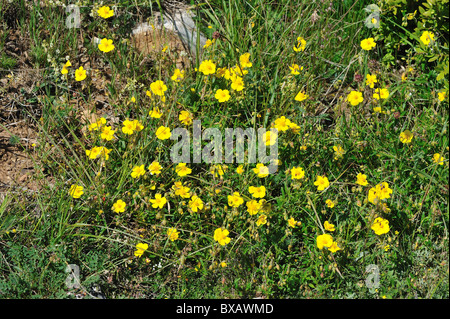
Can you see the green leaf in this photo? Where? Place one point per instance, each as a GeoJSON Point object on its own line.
{"type": "Point", "coordinates": [419, 50]}
{"type": "Point", "coordinates": [433, 58]}
{"type": "Point", "coordinates": [440, 76]}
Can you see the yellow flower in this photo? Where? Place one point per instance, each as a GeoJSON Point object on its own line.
{"type": "Point", "coordinates": [282, 124]}
{"type": "Point", "coordinates": [76, 191]}
{"type": "Point", "coordinates": [361, 179]}
{"type": "Point", "coordinates": [371, 79]}
{"type": "Point", "coordinates": [181, 190]}
{"type": "Point", "coordinates": [128, 127]}
{"type": "Point", "coordinates": [261, 170]}
{"type": "Point", "coordinates": [355, 98]}
{"type": "Point", "coordinates": [379, 192]}
{"type": "Point", "coordinates": [438, 159]}
{"type": "Point", "coordinates": [257, 192]}
{"type": "Point", "coordinates": [301, 96]}
{"type": "Point", "coordinates": [262, 220]}
{"type": "Point", "coordinates": [244, 60]}
{"type": "Point", "coordinates": [222, 95]}
{"type": "Point", "coordinates": [223, 264]}
{"type": "Point", "coordinates": [107, 133]}
{"type": "Point", "coordinates": [328, 226]}
{"type": "Point", "coordinates": [377, 109]}
{"type": "Point", "coordinates": [64, 69]}
{"type": "Point", "coordinates": [380, 226]}
{"type": "Point", "coordinates": [207, 67]}
{"type": "Point", "coordinates": [240, 169]}
{"type": "Point", "coordinates": [295, 69]}
{"type": "Point", "coordinates": [406, 137]}
{"type": "Point", "coordinates": [155, 168]}
{"type": "Point", "coordinates": [105, 12]}
{"type": "Point", "coordinates": [227, 73]}
{"type": "Point", "coordinates": [119, 206]}
{"type": "Point", "coordinates": [329, 203]}
{"type": "Point", "coordinates": [159, 201]}
{"type": "Point", "coordinates": [138, 126]}
{"type": "Point", "coordinates": [155, 113]}
{"type": "Point", "coordinates": [182, 170]}
{"type": "Point", "coordinates": [221, 236]}
{"type": "Point", "coordinates": [220, 73]}
{"type": "Point", "coordinates": [301, 44]}
{"type": "Point", "coordinates": [237, 83]}
{"type": "Point", "coordinates": [163, 133]}
{"type": "Point", "coordinates": [96, 152]}
{"type": "Point", "coordinates": [237, 71]}
{"type": "Point", "coordinates": [185, 117]}
{"type": "Point", "coordinates": [338, 151]}
{"type": "Point", "coordinates": [321, 183]}
{"type": "Point", "coordinates": [177, 75]}
{"type": "Point", "coordinates": [95, 126]}
{"type": "Point", "coordinates": [372, 196]}
{"type": "Point", "coordinates": [209, 43]}
{"type": "Point", "coordinates": [195, 203]}
{"type": "Point", "coordinates": [253, 207]}
{"type": "Point", "coordinates": [384, 207]}
{"type": "Point", "coordinates": [235, 200]}
{"type": "Point", "coordinates": [324, 240]}
{"type": "Point", "coordinates": [427, 37]}
{"type": "Point", "coordinates": [297, 173]}
{"type": "Point", "coordinates": [381, 93]}
{"type": "Point", "coordinates": [172, 233]}
{"type": "Point", "coordinates": [270, 138]}
{"type": "Point", "coordinates": [158, 87]}
{"type": "Point", "coordinates": [294, 127]}
{"type": "Point", "coordinates": [138, 171]}
{"type": "Point", "coordinates": [218, 170]}
{"type": "Point", "coordinates": [404, 77]}
{"type": "Point", "coordinates": [292, 222]}
{"type": "Point", "coordinates": [104, 152]}
{"type": "Point", "coordinates": [106, 45]}
{"type": "Point", "coordinates": [411, 16]}
{"type": "Point", "coordinates": [368, 44]}
{"type": "Point", "coordinates": [140, 249]}
{"type": "Point", "coordinates": [80, 74]}
{"type": "Point", "coordinates": [93, 153]}
{"type": "Point", "coordinates": [383, 191]}
{"type": "Point", "coordinates": [177, 185]}
{"type": "Point", "coordinates": [442, 95]}
{"type": "Point", "coordinates": [334, 247]}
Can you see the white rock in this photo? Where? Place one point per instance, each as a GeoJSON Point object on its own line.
{"type": "Point", "coordinates": [179, 22]}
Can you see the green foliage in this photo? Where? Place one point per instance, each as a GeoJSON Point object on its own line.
{"type": "Point", "coordinates": [7, 62]}
{"type": "Point", "coordinates": [32, 272]}
{"type": "Point", "coordinates": [45, 231]}
{"type": "Point", "coordinates": [402, 25]}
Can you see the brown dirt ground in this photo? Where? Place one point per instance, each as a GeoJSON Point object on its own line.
{"type": "Point", "coordinates": [18, 131]}
{"type": "Point", "coordinates": [17, 134]}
